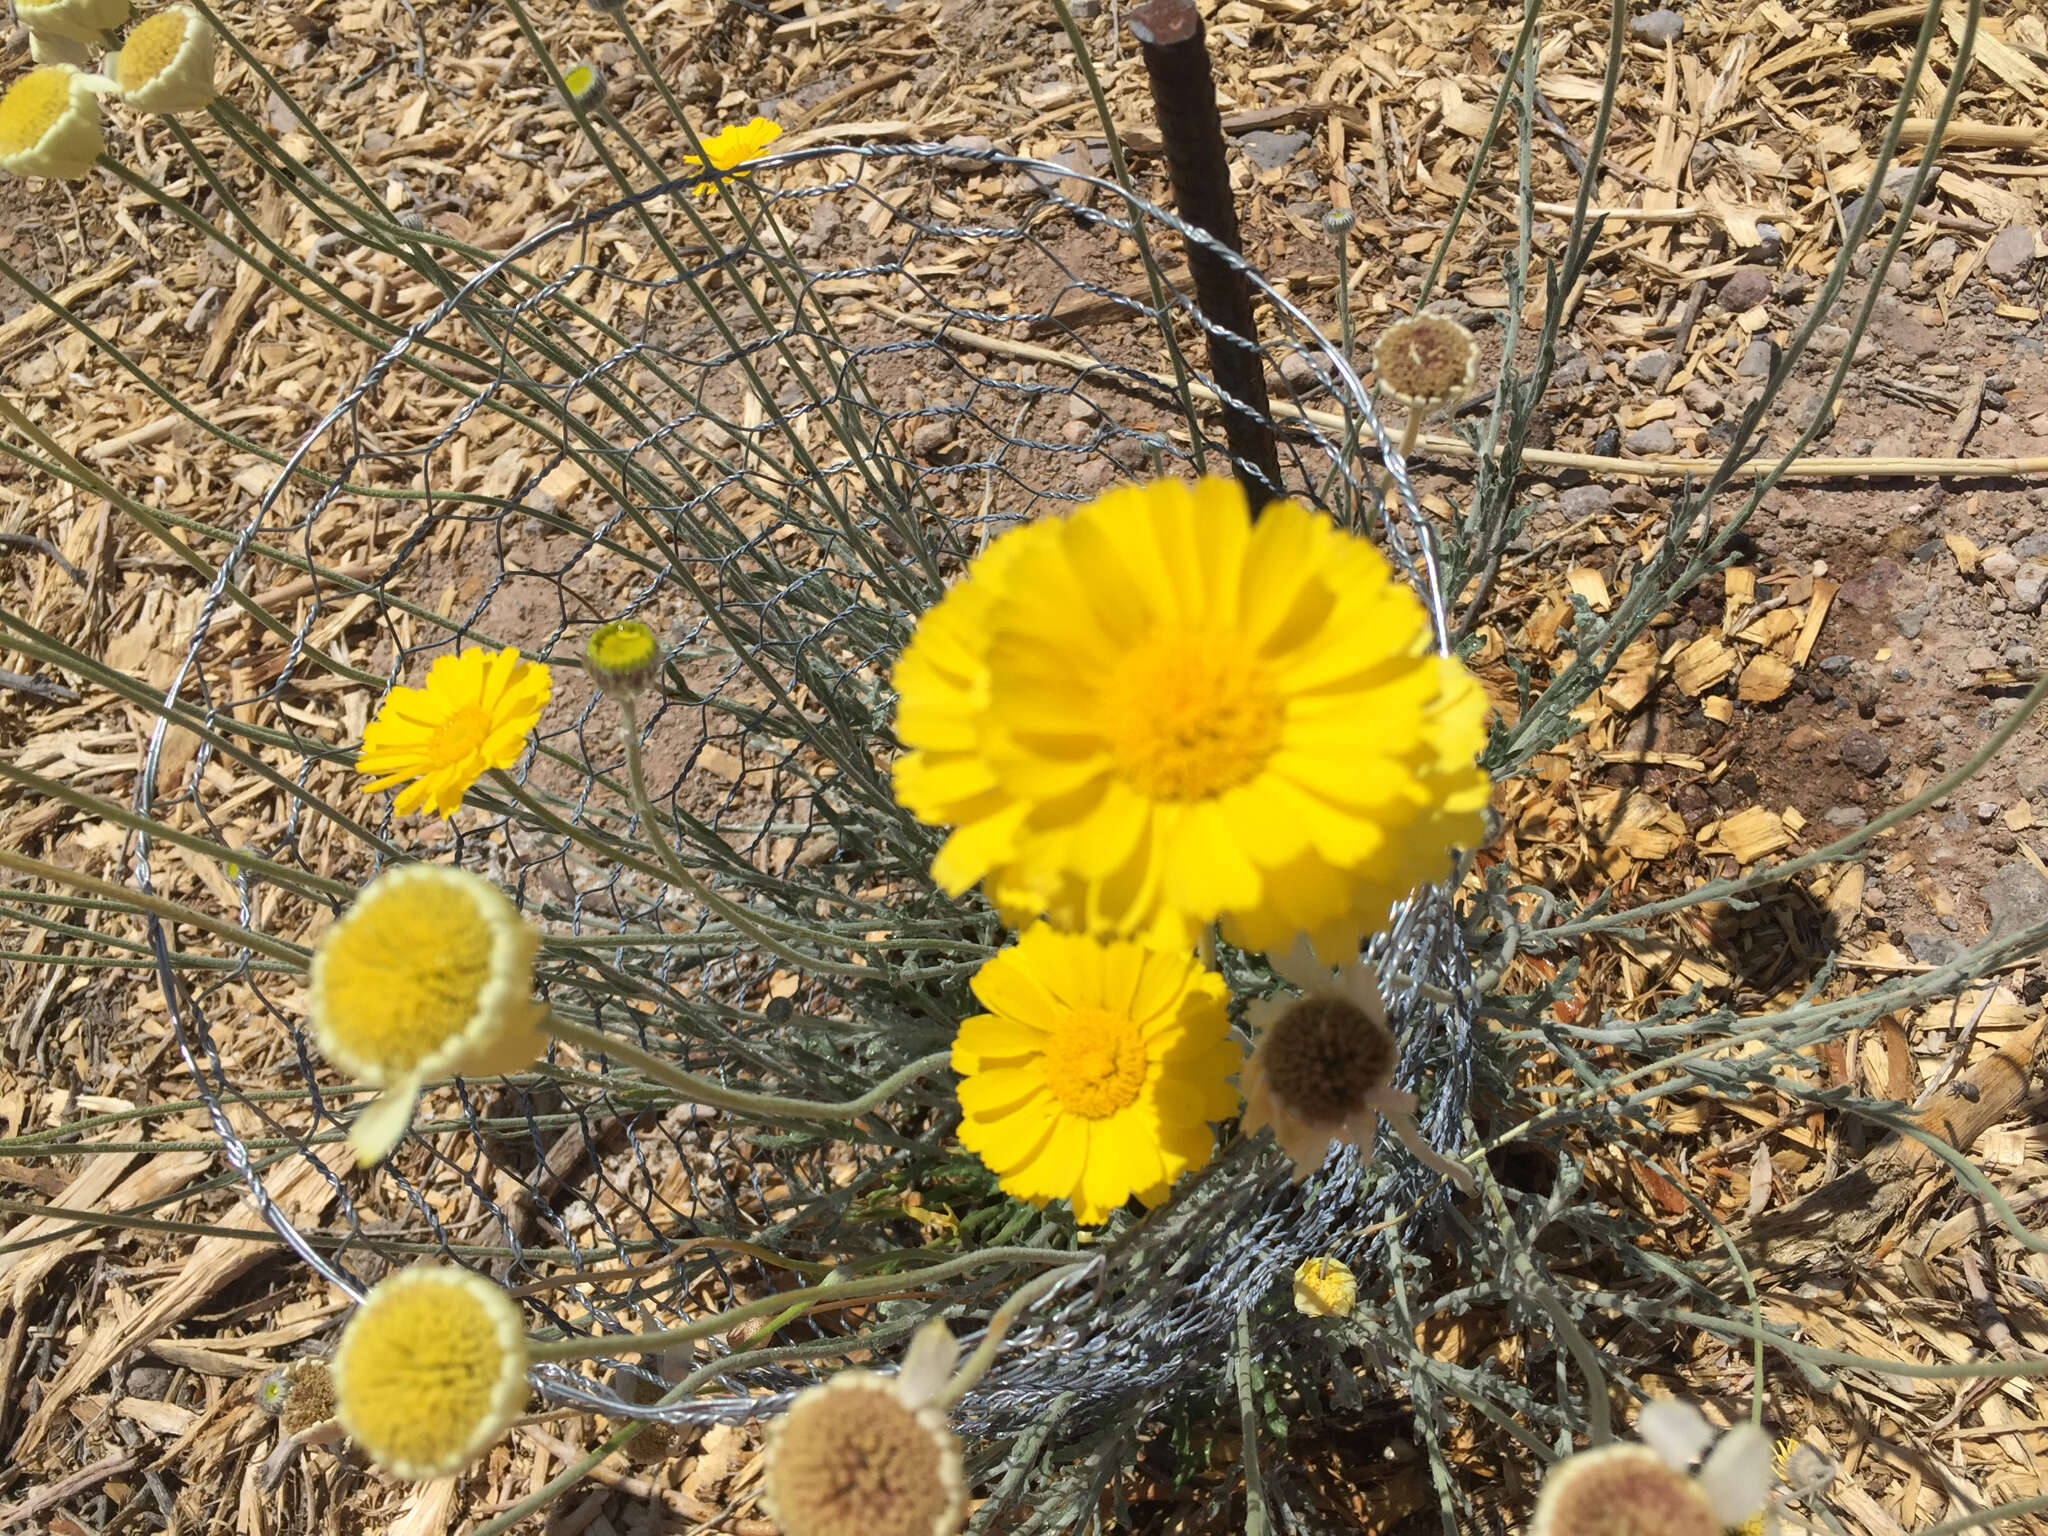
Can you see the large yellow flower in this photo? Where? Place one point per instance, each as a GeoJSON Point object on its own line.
{"type": "Point", "coordinates": [50, 124]}
{"type": "Point", "coordinates": [166, 64]}
{"type": "Point", "coordinates": [430, 1370]}
{"type": "Point", "coordinates": [1156, 713]}
{"type": "Point", "coordinates": [429, 973]}
{"type": "Point", "coordinates": [733, 146]}
{"type": "Point", "coordinates": [1096, 1071]}
{"type": "Point", "coordinates": [475, 714]}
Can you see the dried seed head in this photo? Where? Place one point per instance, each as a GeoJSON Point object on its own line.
{"type": "Point", "coordinates": [309, 1395]}
{"type": "Point", "coordinates": [1324, 1055]}
{"type": "Point", "coordinates": [851, 1458]}
{"type": "Point", "coordinates": [1426, 361]}
{"type": "Point", "coordinates": [1621, 1490]}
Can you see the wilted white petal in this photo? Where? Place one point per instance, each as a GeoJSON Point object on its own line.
{"type": "Point", "coordinates": [927, 1364]}
{"type": "Point", "coordinates": [1676, 1431]}
{"type": "Point", "coordinates": [1737, 1476]}
{"type": "Point", "coordinates": [1300, 967]}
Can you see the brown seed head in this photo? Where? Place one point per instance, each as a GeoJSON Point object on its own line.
{"type": "Point", "coordinates": [849, 1459]}
{"type": "Point", "coordinates": [1426, 361]}
{"type": "Point", "coordinates": [1323, 1056]}
{"type": "Point", "coordinates": [1621, 1490]}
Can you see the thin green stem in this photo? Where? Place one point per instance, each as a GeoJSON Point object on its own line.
{"type": "Point", "coordinates": [156, 906]}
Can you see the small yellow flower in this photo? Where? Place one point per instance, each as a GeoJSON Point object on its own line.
{"type": "Point", "coordinates": [870, 1455]}
{"type": "Point", "coordinates": [85, 21]}
{"type": "Point", "coordinates": [166, 64]}
{"type": "Point", "coordinates": [1096, 1071]}
{"type": "Point", "coordinates": [1325, 1287]}
{"type": "Point", "coordinates": [585, 85]}
{"type": "Point", "coordinates": [729, 147]}
{"type": "Point", "coordinates": [428, 974]}
{"type": "Point", "coordinates": [1155, 713]}
{"type": "Point", "coordinates": [622, 656]}
{"type": "Point", "coordinates": [50, 124]}
{"type": "Point", "coordinates": [1322, 1068]}
{"type": "Point", "coordinates": [430, 1370]}
{"type": "Point", "coordinates": [474, 714]}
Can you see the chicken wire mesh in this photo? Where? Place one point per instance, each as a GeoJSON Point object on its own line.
{"type": "Point", "coordinates": [776, 453]}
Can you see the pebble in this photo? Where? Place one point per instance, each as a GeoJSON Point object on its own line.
{"type": "Point", "coordinates": [1270, 151]}
{"type": "Point", "coordinates": [1844, 816]}
{"type": "Point", "coordinates": [1081, 408]}
{"type": "Point", "coordinates": [1981, 658]}
{"type": "Point", "coordinates": [1658, 27]}
{"type": "Point", "coordinates": [1800, 737]}
{"type": "Point", "coordinates": [1702, 399]}
{"type": "Point", "coordinates": [937, 442]}
{"type": "Point", "coordinates": [1649, 367]}
{"type": "Point", "coordinates": [1865, 753]}
{"type": "Point", "coordinates": [1654, 437]}
{"type": "Point", "coordinates": [2010, 253]}
{"type": "Point", "coordinates": [1940, 257]}
{"type": "Point", "coordinates": [1933, 948]}
{"type": "Point", "coordinates": [1745, 289]}
{"type": "Point", "coordinates": [2029, 587]}
{"type": "Point", "coordinates": [2000, 565]}
{"type": "Point", "coordinates": [1085, 10]}
{"type": "Point", "coordinates": [2019, 655]}
{"type": "Point", "coordinates": [1756, 360]}
{"type": "Point", "coordinates": [1986, 809]}
{"type": "Point", "coordinates": [2017, 897]}
{"type": "Point", "coordinates": [1836, 665]}
{"type": "Point", "coordinates": [1585, 501]}
{"type": "Point", "coordinates": [967, 144]}
{"type": "Point", "coordinates": [2031, 546]}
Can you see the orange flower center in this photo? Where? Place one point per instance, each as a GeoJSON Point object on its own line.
{"type": "Point", "coordinates": [1095, 1063]}
{"type": "Point", "coordinates": [1189, 716]}
{"type": "Point", "coordinates": [461, 736]}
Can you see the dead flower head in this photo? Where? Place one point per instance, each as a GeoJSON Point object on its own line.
{"type": "Point", "coordinates": [1426, 361]}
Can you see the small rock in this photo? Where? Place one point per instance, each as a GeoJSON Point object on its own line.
{"type": "Point", "coordinates": [2019, 656]}
{"type": "Point", "coordinates": [1585, 501]}
{"type": "Point", "coordinates": [2010, 253]}
{"type": "Point", "coordinates": [1844, 816]}
{"type": "Point", "coordinates": [1649, 367]}
{"type": "Point", "coordinates": [1085, 10]}
{"type": "Point", "coordinates": [1986, 809]}
{"type": "Point", "coordinates": [2003, 841]}
{"type": "Point", "coordinates": [1270, 151]}
{"type": "Point", "coordinates": [1653, 437]}
{"type": "Point", "coordinates": [1800, 737]}
{"type": "Point", "coordinates": [1572, 372]}
{"type": "Point", "coordinates": [2017, 897]}
{"type": "Point", "coordinates": [1930, 549]}
{"type": "Point", "coordinates": [1940, 257]}
{"type": "Point", "coordinates": [1081, 408]}
{"type": "Point", "coordinates": [2031, 546]}
{"type": "Point", "coordinates": [2029, 587]}
{"type": "Point", "coordinates": [938, 442]}
{"type": "Point", "coordinates": [1298, 372]}
{"type": "Point", "coordinates": [1702, 399]}
{"type": "Point", "coordinates": [1756, 361]}
{"type": "Point", "coordinates": [968, 145]}
{"type": "Point", "coordinates": [1607, 442]}
{"type": "Point", "coordinates": [1745, 289]}
{"type": "Point", "coordinates": [1933, 948]}
{"type": "Point", "coordinates": [1981, 658]}
{"type": "Point", "coordinates": [2000, 565]}
{"type": "Point", "coordinates": [1658, 27]}
{"type": "Point", "coordinates": [1865, 753]}
{"type": "Point", "coordinates": [1077, 432]}
{"type": "Point", "coordinates": [1836, 665]}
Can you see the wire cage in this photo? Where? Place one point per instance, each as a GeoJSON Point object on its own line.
{"type": "Point", "coordinates": [836, 385]}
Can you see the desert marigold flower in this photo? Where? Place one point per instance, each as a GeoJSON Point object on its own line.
{"type": "Point", "coordinates": [430, 1370]}
{"type": "Point", "coordinates": [869, 1455]}
{"type": "Point", "coordinates": [474, 714]}
{"type": "Point", "coordinates": [85, 21]}
{"type": "Point", "coordinates": [1322, 1068]}
{"type": "Point", "coordinates": [1325, 1288]}
{"type": "Point", "coordinates": [585, 85]}
{"type": "Point", "coordinates": [1425, 361]}
{"type": "Point", "coordinates": [730, 147]}
{"type": "Point", "coordinates": [1648, 1489]}
{"type": "Point", "coordinates": [50, 124]}
{"type": "Point", "coordinates": [429, 973]}
{"type": "Point", "coordinates": [1155, 713]}
{"type": "Point", "coordinates": [622, 656]}
{"type": "Point", "coordinates": [166, 62]}
{"type": "Point", "coordinates": [1096, 1071]}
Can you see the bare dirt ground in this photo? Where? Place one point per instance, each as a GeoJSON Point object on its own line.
{"type": "Point", "coordinates": [1876, 629]}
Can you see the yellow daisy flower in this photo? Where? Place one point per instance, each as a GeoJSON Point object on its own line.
{"type": "Point", "coordinates": [474, 714]}
{"type": "Point", "coordinates": [430, 1370]}
{"type": "Point", "coordinates": [1325, 1287]}
{"type": "Point", "coordinates": [166, 63]}
{"type": "Point", "coordinates": [1096, 1071]}
{"type": "Point", "coordinates": [870, 1455]}
{"type": "Point", "coordinates": [85, 21]}
{"type": "Point", "coordinates": [1156, 713]}
{"type": "Point", "coordinates": [429, 974]}
{"type": "Point", "coordinates": [730, 147]}
{"type": "Point", "coordinates": [50, 124]}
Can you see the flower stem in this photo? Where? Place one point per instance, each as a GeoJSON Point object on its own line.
{"type": "Point", "coordinates": [611, 1345]}
{"type": "Point", "coordinates": [765, 1106]}
{"type": "Point", "coordinates": [748, 923]}
{"type": "Point", "coordinates": [156, 906]}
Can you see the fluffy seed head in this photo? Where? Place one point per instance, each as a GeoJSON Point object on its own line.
{"type": "Point", "coordinates": [1324, 1055]}
{"type": "Point", "coordinates": [1426, 361]}
{"type": "Point", "coordinates": [850, 1458]}
{"type": "Point", "coordinates": [1621, 1490]}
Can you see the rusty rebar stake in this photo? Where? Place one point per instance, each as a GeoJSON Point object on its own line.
{"type": "Point", "coordinates": [1170, 34]}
